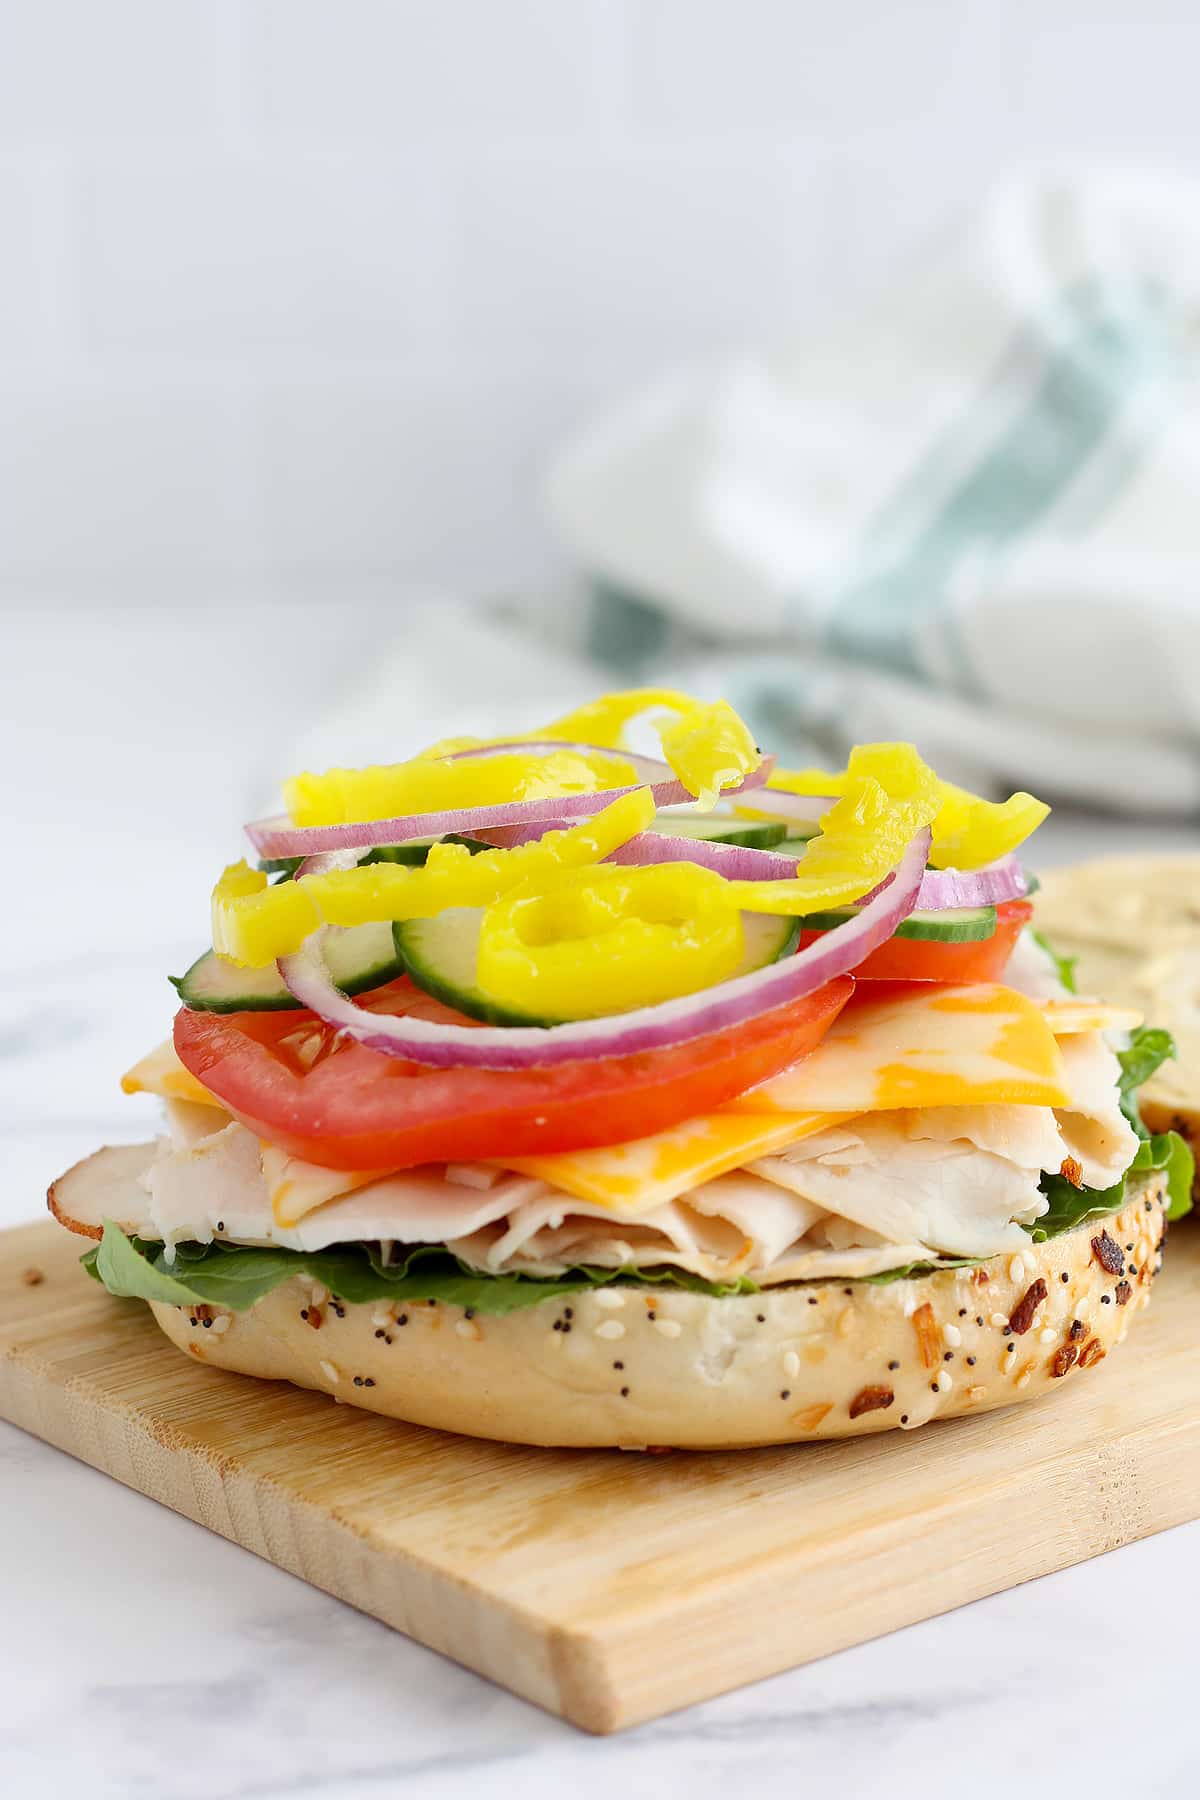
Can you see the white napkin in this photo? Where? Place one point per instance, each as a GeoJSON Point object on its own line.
{"type": "Point", "coordinates": [969, 516]}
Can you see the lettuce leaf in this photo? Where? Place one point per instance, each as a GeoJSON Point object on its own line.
{"type": "Point", "coordinates": [1180, 1165]}
{"type": "Point", "coordinates": [1147, 1050]}
{"type": "Point", "coordinates": [914, 1271]}
{"type": "Point", "coordinates": [1071, 1206]}
{"type": "Point", "coordinates": [1149, 1047]}
{"type": "Point", "coordinates": [238, 1275]}
{"type": "Point", "coordinates": [1064, 965]}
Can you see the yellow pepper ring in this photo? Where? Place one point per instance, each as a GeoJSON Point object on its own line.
{"type": "Point", "coordinates": [706, 745]}
{"type": "Point", "coordinates": [967, 831]}
{"type": "Point", "coordinates": [439, 784]}
{"type": "Point", "coordinates": [884, 797]}
{"type": "Point", "coordinates": [582, 944]}
{"type": "Point", "coordinates": [253, 924]}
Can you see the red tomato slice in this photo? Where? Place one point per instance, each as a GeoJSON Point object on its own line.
{"type": "Point", "coordinates": [918, 959]}
{"type": "Point", "coordinates": [294, 1083]}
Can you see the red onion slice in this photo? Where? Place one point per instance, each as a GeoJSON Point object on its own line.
{"type": "Point", "coordinates": [737, 862]}
{"type": "Point", "coordinates": [718, 1008]}
{"type": "Point", "coordinates": [279, 837]}
{"type": "Point", "coordinates": [940, 888]}
{"type": "Point", "coordinates": [1001, 880]}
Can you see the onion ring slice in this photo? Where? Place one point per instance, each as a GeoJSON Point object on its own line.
{"type": "Point", "coordinates": [718, 1008]}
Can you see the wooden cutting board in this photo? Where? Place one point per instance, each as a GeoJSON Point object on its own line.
{"type": "Point", "coordinates": [611, 1588]}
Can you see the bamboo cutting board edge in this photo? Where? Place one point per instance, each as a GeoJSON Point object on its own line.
{"type": "Point", "coordinates": [886, 1591]}
{"type": "Point", "coordinates": [648, 1637]}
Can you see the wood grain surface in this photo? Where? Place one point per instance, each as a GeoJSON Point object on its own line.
{"type": "Point", "coordinates": [612, 1588]}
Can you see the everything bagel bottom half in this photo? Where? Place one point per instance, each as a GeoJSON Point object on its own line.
{"type": "Point", "coordinates": [641, 1367]}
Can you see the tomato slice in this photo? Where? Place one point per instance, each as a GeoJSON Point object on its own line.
{"type": "Point", "coordinates": [919, 959]}
{"type": "Point", "coordinates": [292, 1081]}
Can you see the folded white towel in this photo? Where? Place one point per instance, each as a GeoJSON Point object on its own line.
{"type": "Point", "coordinates": [970, 516]}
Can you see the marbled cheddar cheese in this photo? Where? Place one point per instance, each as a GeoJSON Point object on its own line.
{"type": "Point", "coordinates": [635, 1178]}
{"type": "Point", "coordinates": [921, 1044]}
{"type": "Point", "coordinates": [1070, 1018]}
{"type": "Point", "coordinates": [296, 1188]}
{"type": "Point", "coordinates": [161, 1073]}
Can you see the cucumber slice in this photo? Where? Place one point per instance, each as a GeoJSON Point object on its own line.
{"type": "Point", "coordinates": [414, 852]}
{"type": "Point", "coordinates": [769, 936]}
{"type": "Point", "coordinates": [954, 925]}
{"type": "Point", "coordinates": [362, 957]}
{"type": "Point", "coordinates": [442, 954]}
{"type": "Point", "coordinates": [721, 828]}
{"type": "Point", "coordinates": [798, 839]}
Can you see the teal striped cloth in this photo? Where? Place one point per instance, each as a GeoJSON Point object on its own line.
{"type": "Point", "coordinates": [969, 516]}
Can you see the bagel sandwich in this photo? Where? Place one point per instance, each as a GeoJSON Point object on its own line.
{"type": "Point", "coordinates": [541, 1091]}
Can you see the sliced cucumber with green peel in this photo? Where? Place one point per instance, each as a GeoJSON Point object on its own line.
{"type": "Point", "coordinates": [953, 925]}
{"type": "Point", "coordinates": [798, 839]}
{"type": "Point", "coordinates": [360, 958]}
{"type": "Point", "coordinates": [721, 828]}
{"type": "Point", "coordinates": [442, 956]}
{"type": "Point", "coordinates": [769, 936]}
{"type": "Point", "coordinates": [413, 853]}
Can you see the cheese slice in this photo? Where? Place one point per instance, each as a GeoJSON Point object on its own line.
{"type": "Point", "coordinates": [1070, 1018]}
{"type": "Point", "coordinates": [162, 1073]}
{"type": "Point", "coordinates": [296, 1188]}
{"type": "Point", "coordinates": [635, 1178]}
{"type": "Point", "coordinates": [907, 1045]}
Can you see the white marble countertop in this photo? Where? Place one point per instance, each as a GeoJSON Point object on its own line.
{"type": "Point", "coordinates": [142, 1656]}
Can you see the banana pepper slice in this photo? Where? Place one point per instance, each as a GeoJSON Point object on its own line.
{"type": "Point", "coordinates": [968, 831]}
{"type": "Point", "coordinates": [862, 837]}
{"type": "Point", "coordinates": [436, 784]}
{"type": "Point", "coordinates": [254, 924]}
{"type": "Point", "coordinates": [578, 945]}
{"type": "Point", "coordinates": [706, 745]}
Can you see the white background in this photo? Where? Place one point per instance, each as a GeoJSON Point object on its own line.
{"type": "Point", "coordinates": [297, 295]}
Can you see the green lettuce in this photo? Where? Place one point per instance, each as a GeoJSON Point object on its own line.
{"type": "Point", "coordinates": [1071, 1206]}
{"type": "Point", "coordinates": [1148, 1048]}
{"type": "Point", "coordinates": [238, 1275]}
{"type": "Point", "coordinates": [913, 1271]}
{"type": "Point", "coordinates": [1064, 965]}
